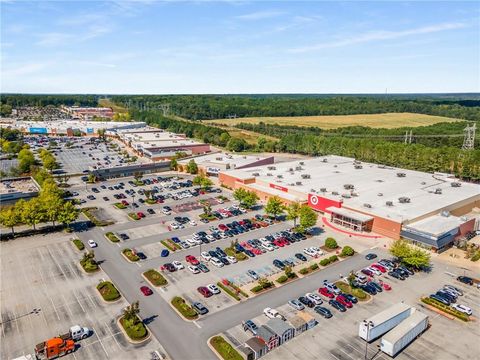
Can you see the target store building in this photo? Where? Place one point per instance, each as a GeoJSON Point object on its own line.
{"type": "Point", "coordinates": [366, 197]}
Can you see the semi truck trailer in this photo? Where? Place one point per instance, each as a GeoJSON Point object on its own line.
{"type": "Point", "coordinates": [379, 324]}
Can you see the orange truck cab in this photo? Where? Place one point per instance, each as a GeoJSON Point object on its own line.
{"type": "Point", "coordinates": [53, 348]}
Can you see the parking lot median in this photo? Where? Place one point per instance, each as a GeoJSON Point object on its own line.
{"type": "Point", "coordinates": [112, 237]}
{"type": "Point", "coordinates": [155, 278]}
{"type": "Point", "coordinates": [223, 349]}
{"type": "Point", "coordinates": [183, 309]}
{"type": "Point", "coordinates": [130, 255]}
{"type": "Point", "coordinates": [358, 293]}
{"type": "Point", "coordinates": [108, 291]}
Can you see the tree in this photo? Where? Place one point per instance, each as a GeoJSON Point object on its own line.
{"type": "Point", "coordinates": [347, 251]}
{"type": "Point", "coordinates": [102, 134]}
{"type": "Point", "coordinates": [32, 212]}
{"type": "Point", "coordinates": [274, 206]}
{"type": "Point", "coordinates": [207, 209]}
{"type": "Point", "coordinates": [399, 249]}
{"type": "Point", "coordinates": [148, 194]}
{"type": "Point", "coordinates": [410, 254]}
{"type": "Point", "coordinates": [173, 164]}
{"type": "Point", "coordinates": [138, 176]}
{"type": "Point", "coordinates": [50, 163]}
{"type": "Point", "coordinates": [331, 243]}
{"type": "Point", "coordinates": [68, 214]}
{"type": "Point", "coordinates": [236, 144]}
{"type": "Point", "coordinates": [247, 199]}
{"type": "Point", "coordinates": [63, 179]}
{"type": "Point", "coordinates": [288, 271]}
{"type": "Point", "coordinates": [293, 212]}
{"type": "Point", "coordinates": [130, 313]}
{"type": "Point", "coordinates": [9, 217]}
{"type": "Point", "coordinates": [91, 178]}
{"type": "Point", "coordinates": [192, 167]}
{"type": "Point", "coordinates": [308, 217]}
{"type": "Point", "coordinates": [26, 160]}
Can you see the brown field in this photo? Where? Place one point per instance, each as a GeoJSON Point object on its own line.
{"type": "Point", "coordinates": [388, 120]}
{"type": "Point", "coordinates": [116, 108]}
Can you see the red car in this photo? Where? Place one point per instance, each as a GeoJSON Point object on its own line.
{"type": "Point", "coordinates": [204, 291]}
{"type": "Point", "coordinates": [278, 242]}
{"type": "Point", "coordinates": [223, 227]}
{"type": "Point", "coordinates": [325, 292]}
{"type": "Point", "coordinates": [257, 251]}
{"type": "Point", "coordinates": [344, 301]}
{"type": "Point", "coordinates": [140, 214]}
{"type": "Point", "coordinates": [384, 285]}
{"type": "Point", "coordinates": [367, 272]}
{"type": "Point", "coordinates": [379, 267]}
{"type": "Point", "coordinates": [192, 260]}
{"type": "Point", "coordinates": [125, 202]}
{"type": "Point", "coordinates": [159, 201]}
{"type": "Point", "coordinates": [146, 290]}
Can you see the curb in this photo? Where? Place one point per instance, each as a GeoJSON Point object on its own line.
{"type": "Point", "coordinates": [75, 246]}
{"type": "Point", "coordinates": [88, 273]}
{"type": "Point", "coordinates": [135, 342]}
{"type": "Point", "coordinates": [155, 286]}
{"type": "Point", "coordinates": [113, 242]}
{"type": "Point", "coordinates": [179, 314]}
{"type": "Point", "coordinates": [126, 258]}
{"type": "Point", "coordinates": [109, 302]}
{"type": "Point", "coordinates": [212, 348]}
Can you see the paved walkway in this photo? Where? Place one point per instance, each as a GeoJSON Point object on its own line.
{"type": "Point", "coordinates": [351, 233]}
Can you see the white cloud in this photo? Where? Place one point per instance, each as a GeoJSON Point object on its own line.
{"type": "Point", "coordinates": [378, 36]}
{"type": "Point", "coordinates": [260, 15]}
{"type": "Point", "coordinates": [53, 39]}
{"type": "Point", "coordinates": [24, 69]}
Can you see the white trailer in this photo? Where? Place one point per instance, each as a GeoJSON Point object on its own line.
{"type": "Point", "coordinates": [379, 324]}
{"type": "Point", "coordinates": [397, 339]}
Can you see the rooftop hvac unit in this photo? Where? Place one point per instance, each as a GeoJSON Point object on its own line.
{"type": "Point", "coordinates": [401, 174]}
{"type": "Point", "coordinates": [271, 168]}
{"type": "Point", "coordinates": [313, 191]}
{"type": "Point", "coordinates": [323, 190]}
{"type": "Point", "coordinates": [291, 184]}
{"type": "Point", "coordinates": [269, 174]}
{"type": "Point", "coordinates": [301, 163]}
{"type": "Point", "coordinates": [358, 166]}
{"type": "Point", "coordinates": [298, 168]}
{"type": "Point", "coordinates": [455, 184]}
{"type": "Point", "coordinates": [423, 183]}
{"type": "Point", "coordinates": [290, 169]}
{"type": "Point", "coordinates": [379, 180]}
{"type": "Point", "coordinates": [346, 196]}
{"type": "Point", "coordinates": [438, 191]}
{"type": "Point", "coordinates": [354, 194]}
{"type": "Point", "coordinates": [325, 160]}
{"type": "Point", "coordinates": [218, 158]}
{"type": "Point", "coordinates": [389, 203]}
{"type": "Point", "coordinates": [463, 218]}
{"type": "Point", "coordinates": [335, 165]}
{"type": "Point", "coordinates": [298, 183]}
{"type": "Point", "coordinates": [305, 176]}
{"type": "Point", "coordinates": [348, 186]}
{"type": "Point", "coordinates": [403, 200]}
{"type": "Point", "coordinates": [380, 194]}
{"type": "Point", "coordinates": [445, 213]}
{"type": "Point", "coordinates": [381, 166]}
{"type": "Point", "coordinates": [367, 206]}
{"type": "Point", "coordinates": [334, 192]}
{"type": "Point", "coordinates": [280, 176]}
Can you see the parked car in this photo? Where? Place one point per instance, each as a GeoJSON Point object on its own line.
{"type": "Point", "coordinates": [279, 264]}
{"type": "Point", "coordinates": [192, 260]}
{"type": "Point", "coordinates": [344, 301]}
{"type": "Point", "coordinates": [297, 305]}
{"type": "Point", "coordinates": [462, 308]}
{"type": "Point", "coordinates": [250, 326]}
{"type": "Point", "coordinates": [325, 292]}
{"type": "Point", "coordinates": [164, 253]}
{"type": "Point", "coordinates": [146, 290]}
{"type": "Point", "coordinates": [92, 243]}
{"type": "Point", "coordinates": [252, 274]}
{"type": "Point", "coordinates": [272, 313]}
{"type": "Point", "coordinates": [193, 269]}
{"type": "Point", "coordinates": [396, 275]}
{"type": "Point", "coordinates": [204, 291]}
{"type": "Point", "coordinates": [332, 287]}
{"type": "Point", "coordinates": [337, 305]}
{"type": "Point", "coordinates": [367, 272]}
{"type": "Point", "coordinates": [217, 262]}
{"type": "Point", "coordinates": [455, 289]}
{"type": "Point", "coordinates": [206, 256]}
{"type": "Point", "coordinates": [377, 287]}
{"type": "Point", "coordinates": [440, 299]}
{"type": "Point", "coordinates": [351, 298]}
{"type": "Point", "coordinates": [326, 313]}
{"type": "Point", "coordinates": [317, 300]}
{"type": "Point", "coordinates": [370, 256]}
{"type": "Point", "coordinates": [465, 279]}
{"type": "Point", "coordinates": [213, 288]}
{"type": "Point", "coordinates": [300, 257]}
{"type": "Point", "coordinates": [178, 265]}
{"type": "Point", "coordinates": [306, 301]}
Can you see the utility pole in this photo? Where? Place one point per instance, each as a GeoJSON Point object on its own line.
{"type": "Point", "coordinates": [469, 137]}
{"type": "Point", "coordinates": [408, 137]}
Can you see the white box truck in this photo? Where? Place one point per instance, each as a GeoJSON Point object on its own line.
{"type": "Point", "coordinates": [397, 339]}
{"type": "Point", "coordinates": [379, 324]}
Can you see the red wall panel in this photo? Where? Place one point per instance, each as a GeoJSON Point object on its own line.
{"type": "Point", "coordinates": [320, 203]}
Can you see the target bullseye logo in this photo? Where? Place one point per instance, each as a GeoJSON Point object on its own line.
{"type": "Point", "coordinates": [314, 199]}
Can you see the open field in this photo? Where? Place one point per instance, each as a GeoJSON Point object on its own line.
{"type": "Point", "coordinates": [388, 120]}
{"type": "Point", "coordinates": [115, 107]}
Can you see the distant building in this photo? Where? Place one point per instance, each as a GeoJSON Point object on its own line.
{"type": "Point", "coordinates": [88, 113]}
{"type": "Point", "coordinates": [258, 347]}
{"type": "Point", "coordinates": [282, 329]}
{"type": "Point", "coordinates": [14, 189]}
{"type": "Point", "coordinates": [268, 337]}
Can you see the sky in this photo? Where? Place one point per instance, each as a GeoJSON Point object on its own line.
{"type": "Point", "coordinates": [182, 47]}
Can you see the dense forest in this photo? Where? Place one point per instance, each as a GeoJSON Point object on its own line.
{"type": "Point", "coordinates": [441, 134]}
{"type": "Point", "coordinates": [201, 107]}
{"type": "Point", "coordinates": [20, 100]}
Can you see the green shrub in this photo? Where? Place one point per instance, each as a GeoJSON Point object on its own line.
{"type": "Point", "coordinates": [169, 245]}
{"type": "Point", "coordinates": [130, 255]}
{"type": "Point", "coordinates": [135, 329]}
{"type": "Point", "coordinates": [314, 267]}
{"type": "Point", "coordinates": [226, 351]}
{"type": "Point", "coordinates": [79, 244]}
{"type": "Point", "coordinates": [155, 278]}
{"type": "Point", "coordinates": [240, 256]}
{"type": "Point", "coordinates": [120, 206]}
{"type": "Point", "coordinates": [447, 309]}
{"type": "Point", "coordinates": [331, 243]}
{"type": "Point", "coordinates": [236, 288]}
{"type": "Point", "coordinates": [282, 279]}
{"type": "Point", "coordinates": [476, 256]}
{"type": "Point", "coordinates": [133, 216]}
{"type": "Point", "coordinates": [112, 237]}
{"type": "Point", "coordinates": [333, 258]}
{"type": "Point", "coordinates": [186, 310]}
{"type": "Point", "coordinates": [304, 271]}
{"type": "Point", "coordinates": [358, 293]}
{"type": "Point", "coordinates": [89, 265]}
{"type": "Point", "coordinates": [325, 262]}
{"type": "Point", "coordinates": [150, 202]}
{"type": "Point", "coordinates": [108, 291]}
{"type": "Point", "coordinates": [228, 291]}
{"type": "Point", "coordinates": [257, 288]}
{"type": "Point", "coordinates": [347, 251]}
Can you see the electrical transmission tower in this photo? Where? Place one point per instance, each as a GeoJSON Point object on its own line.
{"type": "Point", "coordinates": [165, 109]}
{"type": "Point", "coordinates": [469, 137]}
{"type": "Point", "coordinates": [408, 137]}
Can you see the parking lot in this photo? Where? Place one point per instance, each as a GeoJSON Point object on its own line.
{"type": "Point", "coordinates": [337, 338]}
{"type": "Point", "coordinates": [44, 293]}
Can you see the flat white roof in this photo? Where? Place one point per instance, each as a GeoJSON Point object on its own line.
{"type": "Point", "coordinates": [389, 313]}
{"type": "Point", "coordinates": [406, 325]}
{"type": "Point", "coordinates": [350, 214]}
{"type": "Point", "coordinates": [62, 125]}
{"type": "Point", "coordinates": [223, 159]}
{"type": "Point", "coordinates": [436, 225]}
{"type": "Point", "coordinates": [373, 185]}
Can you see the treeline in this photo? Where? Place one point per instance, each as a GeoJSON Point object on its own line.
{"type": "Point", "coordinates": [19, 100]}
{"type": "Point", "coordinates": [441, 134]}
{"type": "Point", "coordinates": [201, 107]}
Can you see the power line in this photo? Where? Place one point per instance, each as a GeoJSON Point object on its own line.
{"type": "Point", "coordinates": [469, 137]}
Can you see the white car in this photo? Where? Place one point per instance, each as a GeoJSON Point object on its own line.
{"type": "Point", "coordinates": [166, 212]}
{"type": "Point", "coordinates": [197, 241]}
{"type": "Point", "coordinates": [213, 288]}
{"type": "Point", "coordinates": [216, 262]}
{"type": "Point", "coordinates": [178, 265]}
{"type": "Point", "coordinates": [317, 300]}
{"type": "Point", "coordinates": [272, 313]}
{"type": "Point", "coordinates": [375, 271]}
{"type": "Point", "coordinates": [174, 226]}
{"type": "Point", "coordinates": [463, 308]}
{"type": "Point", "coordinates": [92, 243]}
{"type": "Point", "coordinates": [332, 287]}
{"type": "Point", "coordinates": [210, 237]}
{"type": "Point", "coordinates": [317, 250]}
{"type": "Point", "coordinates": [191, 241]}
{"type": "Point", "coordinates": [206, 256]}
{"type": "Point", "coordinates": [231, 259]}
{"type": "Point", "coordinates": [268, 247]}
{"type": "Point", "coordinates": [192, 222]}
{"type": "Point", "coordinates": [193, 269]}
{"type": "Point", "coordinates": [310, 252]}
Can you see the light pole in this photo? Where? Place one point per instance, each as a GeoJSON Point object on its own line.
{"type": "Point", "coordinates": [369, 324]}
{"type": "Point", "coordinates": [133, 200]}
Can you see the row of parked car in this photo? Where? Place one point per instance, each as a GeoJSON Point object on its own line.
{"type": "Point", "coordinates": [448, 295]}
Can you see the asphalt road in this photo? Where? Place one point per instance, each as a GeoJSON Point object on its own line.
{"type": "Point", "coordinates": [173, 332]}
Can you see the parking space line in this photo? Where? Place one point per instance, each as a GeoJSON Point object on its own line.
{"type": "Point", "coordinates": [113, 335]}
{"type": "Point", "coordinates": [197, 324]}
{"type": "Point", "coordinates": [100, 341]}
